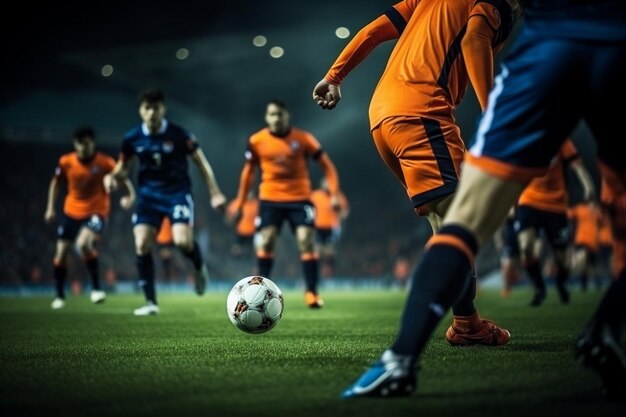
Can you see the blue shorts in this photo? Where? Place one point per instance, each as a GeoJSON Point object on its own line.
{"type": "Point", "coordinates": [69, 227]}
{"type": "Point", "coordinates": [554, 226]}
{"type": "Point", "coordinates": [151, 210]}
{"type": "Point", "coordinates": [300, 213]}
{"type": "Point", "coordinates": [546, 87]}
{"type": "Point", "coordinates": [328, 236]}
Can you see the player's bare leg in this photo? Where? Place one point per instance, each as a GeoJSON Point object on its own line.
{"type": "Point", "coordinates": [144, 240]}
{"type": "Point", "coordinates": [531, 264]}
{"type": "Point", "coordinates": [86, 245]}
{"type": "Point", "coordinates": [264, 242]}
{"type": "Point", "coordinates": [182, 234]}
{"type": "Point", "coordinates": [59, 263]}
{"type": "Point", "coordinates": [305, 237]}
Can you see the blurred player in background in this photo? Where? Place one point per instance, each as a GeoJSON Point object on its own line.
{"type": "Point", "coordinates": [282, 153]}
{"type": "Point", "coordinates": [245, 228]}
{"type": "Point", "coordinates": [542, 208]}
{"type": "Point", "coordinates": [164, 189]}
{"type": "Point", "coordinates": [585, 246]}
{"type": "Point", "coordinates": [85, 210]}
{"type": "Point", "coordinates": [441, 47]}
{"type": "Point", "coordinates": [329, 221]}
{"type": "Point", "coordinates": [166, 249]}
{"type": "Point", "coordinates": [506, 244]}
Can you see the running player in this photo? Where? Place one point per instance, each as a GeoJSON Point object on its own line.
{"type": "Point", "coordinates": [441, 47]}
{"type": "Point", "coordinates": [585, 246]}
{"type": "Point", "coordinates": [85, 210]}
{"type": "Point", "coordinates": [282, 153]}
{"type": "Point", "coordinates": [162, 149]}
{"type": "Point", "coordinates": [564, 46]}
{"type": "Point", "coordinates": [245, 228]}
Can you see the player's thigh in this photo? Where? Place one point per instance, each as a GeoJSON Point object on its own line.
{"type": "Point", "coordinates": [62, 249]}
{"type": "Point", "coordinates": [144, 235]}
{"type": "Point", "coordinates": [265, 237]}
{"type": "Point", "coordinates": [305, 236]}
{"type": "Point", "coordinates": [534, 104]}
{"type": "Point", "coordinates": [90, 233]}
{"type": "Point", "coordinates": [182, 235]}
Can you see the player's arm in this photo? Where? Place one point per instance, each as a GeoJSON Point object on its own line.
{"type": "Point", "coordinates": [246, 180]}
{"type": "Point", "coordinates": [478, 55]}
{"type": "Point", "coordinates": [386, 27]}
{"type": "Point", "coordinates": [129, 197]}
{"type": "Point", "coordinates": [331, 176]}
{"type": "Point", "coordinates": [218, 200]}
{"type": "Point", "coordinates": [584, 178]}
{"type": "Point", "coordinates": [53, 192]}
{"type": "Point", "coordinates": [119, 174]}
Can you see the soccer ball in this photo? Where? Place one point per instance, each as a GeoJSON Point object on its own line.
{"type": "Point", "coordinates": [255, 304]}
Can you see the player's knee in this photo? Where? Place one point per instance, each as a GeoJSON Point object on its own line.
{"type": "Point", "coordinates": [184, 243]}
{"type": "Point", "coordinates": [143, 246]}
{"type": "Point", "coordinates": [306, 244]}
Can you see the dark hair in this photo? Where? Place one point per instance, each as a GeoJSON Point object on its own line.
{"type": "Point", "coordinates": [278, 103]}
{"type": "Point", "coordinates": [83, 132]}
{"type": "Point", "coordinates": [151, 96]}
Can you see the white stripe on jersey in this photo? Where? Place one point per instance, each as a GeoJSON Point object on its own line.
{"type": "Point", "coordinates": [487, 119]}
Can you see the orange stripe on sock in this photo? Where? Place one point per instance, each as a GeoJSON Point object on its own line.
{"type": "Point", "coordinates": [450, 240]}
{"type": "Point", "coordinates": [264, 254]}
{"type": "Point", "coordinates": [308, 256]}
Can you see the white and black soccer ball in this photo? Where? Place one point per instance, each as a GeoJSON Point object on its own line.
{"type": "Point", "coordinates": [255, 304]}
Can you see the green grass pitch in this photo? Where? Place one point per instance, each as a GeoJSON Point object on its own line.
{"type": "Point", "coordinates": [100, 360]}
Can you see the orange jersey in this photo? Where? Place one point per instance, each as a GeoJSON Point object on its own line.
{"type": "Point", "coordinates": [247, 223]}
{"type": "Point", "coordinates": [326, 216]}
{"type": "Point", "coordinates": [426, 74]}
{"type": "Point", "coordinates": [284, 164]}
{"type": "Point", "coordinates": [85, 189]}
{"type": "Point", "coordinates": [586, 219]}
{"type": "Point", "coordinates": [164, 237]}
{"type": "Point", "coordinates": [548, 192]}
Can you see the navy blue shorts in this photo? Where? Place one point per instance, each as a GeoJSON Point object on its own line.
{"type": "Point", "coordinates": [301, 213]}
{"type": "Point", "coordinates": [510, 245]}
{"type": "Point", "coordinates": [151, 210]}
{"type": "Point", "coordinates": [554, 226]}
{"type": "Point", "coordinates": [546, 87]}
{"type": "Point", "coordinates": [69, 227]}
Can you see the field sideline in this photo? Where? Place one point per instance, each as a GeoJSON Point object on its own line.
{"type": "Point", "coordinates": [89, 360]}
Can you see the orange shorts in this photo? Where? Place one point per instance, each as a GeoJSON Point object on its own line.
{"type": "Point", "coordinates": [424, 154]}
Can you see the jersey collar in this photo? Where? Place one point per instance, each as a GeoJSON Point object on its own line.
{"type": "Point", "coordinates": [146, 131]}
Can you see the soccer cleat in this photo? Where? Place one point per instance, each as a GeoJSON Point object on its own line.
{"type": "Point", "coordinates": [392, 376]}
{"type": "Point", "coordinates": [98, 296]}
{"type": "Point", "coordinates": [149, 309]}
{"type": "Point", "coordinates": [313, 300]}
{"type": "Point", "coordinates": [489, 334]}
{"type": "Point", "coordinates": [597, 349]}
{"type": "Point", "coordinates": [201, 276]}
{"type": "Point", "coordinates": [538, 298]}
{"type": "Point", "coordinates": [57, 303]}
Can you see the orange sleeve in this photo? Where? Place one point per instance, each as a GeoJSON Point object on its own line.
{"type": "Point", "coordinates": [478, 54]}
{"type": "Point", "coordinates": [312, 146]}
{"type": "Point", "coordinates": [386, 27]}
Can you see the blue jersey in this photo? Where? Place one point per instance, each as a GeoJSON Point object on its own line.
{"type": "Point", "coordinates": [162, 158]}
{"type": "Point", "coordinates": [580, 19]}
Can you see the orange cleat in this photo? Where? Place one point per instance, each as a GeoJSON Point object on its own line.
{"type": "Point", "coordinates": [313, 300]}
{"type": "Point", "coordinates": [473, 330]}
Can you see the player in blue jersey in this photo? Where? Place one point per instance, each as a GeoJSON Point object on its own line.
{"type": "Point", "coordinates": [567, 65]}
{"type": "Point", "coordinates": [164, 190]}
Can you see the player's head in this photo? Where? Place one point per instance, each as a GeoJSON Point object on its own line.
{"type": "Point", "coordinates": [84, 142]}
{"type": "Point", "coordinates": [277, 117]}
{"type": "Point", "coordinates": [152, 108]}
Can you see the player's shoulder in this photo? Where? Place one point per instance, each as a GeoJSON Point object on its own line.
{"type": "Point", "coordinates": [133, 133]}
{"type": "Point", "coordinates": [259, 135]}
{"type": "Point", "coordinates": [499, 15]}
{"type": "Point", "coordinates": [298, 132]}
{"type": "Point", "coordinates": [178, 130]}
{"type": "Point", "coordinates": [104, 158]}
{"type": "Point", "coordinates": [67, 158]}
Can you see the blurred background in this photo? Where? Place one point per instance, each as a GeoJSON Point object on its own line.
{"type": "Point", "coordinates": [73, 63]}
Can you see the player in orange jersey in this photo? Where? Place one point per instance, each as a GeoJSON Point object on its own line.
{"type": "Point", "coordinates": [542, 208]}
{"type": "Point", "coordinates": [441, 47]}
{"type": "Point", "coordinates": [585, 246]}
{"type": "Point", "coordinates": [282, 153]}
{"type": "Point", "coordinates": [246, 226]}
{"type": "Point", "coordinates": [328, 224]}
{"type": "Point", "coordinates": [85, 210]}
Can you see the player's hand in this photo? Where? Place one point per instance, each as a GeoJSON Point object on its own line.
{"type": "Point", "coordinates": [49, 216]}
{"type": "Point", "coordinates": [127, 201]}
{"type": "Point", "coordinates": [110, 183]}
{"type": "Point", "coordinates": [233, 214]}
{"type": "Point", "coordinates": [326, 95]}
{"type": "Point", "coordinates": [218, 202]}
{"type": "Point", "coordinates": [334, 202]}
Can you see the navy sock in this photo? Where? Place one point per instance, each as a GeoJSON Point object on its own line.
{"type": "Point", "coordinates": [145, 266]}
{"type": "Point", "coordinates": [311, 274]}
{"type": "Point", "coordinates": [534, 273]}
{"type": "Point", "coordinates": [194, 256]}
{"type": "Point", "coordinates": [438, 281]}
{"type": "Point", "coordinates": [94, 272]}
{"type": "Point", "coordinates": [464, 306]}
{"type": "Point", "coordinates": [264, 266]}
{"type": "Point", "coordinates": [60, 272]}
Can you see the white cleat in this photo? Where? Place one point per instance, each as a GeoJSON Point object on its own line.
{"type": "Point", "coordinates": [150, 309]}
{"type": "Point", "coordinates": [98, 296]}
{"type": "Point", "coordinates": [201, 277]}
{"type": "Point", "coordinates": [58, 303]}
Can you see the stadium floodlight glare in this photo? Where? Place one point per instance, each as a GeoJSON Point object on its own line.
{"type": "Point", "coordinates": [342, 32]}
{"type": "Point", "coordinates": [277, 52]}
{"type": "Point", "coordinates": [107, 70]}
{"type": "Point", "coordinates": [259, 41]}
{"type": "Point", "coordinates": [182, 53]}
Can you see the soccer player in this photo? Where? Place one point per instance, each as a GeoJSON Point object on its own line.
{"type": "Point", "coordinates": [328, 224]}
{"type": "Point", "coordinates": [567, 58]}
{"type": "Point", "coordinates": [165, 244]}
{"type": "Point", "coordinates": [85, 210]}
{"type": "Point", "coordinates": [585, 246]}
{"type": "Point", "coordinates": [282, 153]}
{"type": "Point", "coordinates": [542, 208]}
{"type": "Point", "coordinates": [506, 244]}
{"type": "Point", "coordinates": [162, 149]}
{"type": "Point", "coordinates": [441, 46]}
{"type": "Point", "coordinates": [245, 227]}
